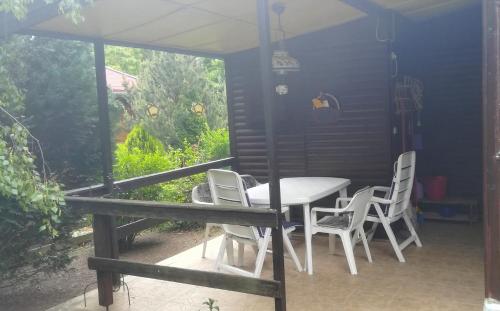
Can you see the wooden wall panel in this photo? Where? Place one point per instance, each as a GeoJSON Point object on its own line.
{"type": "Point", "coordinates": [346, 61]}
{"type": "Point", "coordinates": [446, 54]}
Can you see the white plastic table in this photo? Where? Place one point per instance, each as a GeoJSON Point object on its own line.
{"type": "Point", "coordinates": [302, 191]}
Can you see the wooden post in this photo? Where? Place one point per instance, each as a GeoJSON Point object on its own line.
{"type": "Point", "coordinates": [230, 115]}
{"type": "Point", "coordinates": [268, 97]}
{"type": "Point", "coordinates": [491, 147]}
{"type": "Point", "coordinates": [105, 241]}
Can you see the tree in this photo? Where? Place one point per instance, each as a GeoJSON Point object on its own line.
{"type": "Point", "coordinates": [173, 83]}
{"type": "Point", "coordinates": [19, 8]}
{"type": "Point", "coordinates": [128, 60]}
{"type": "Point", "coordinates": [57, 79]}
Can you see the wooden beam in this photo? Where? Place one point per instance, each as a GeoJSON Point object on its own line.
{"type": "Point", "coordinates": [137, 226]}
{"type": "Point", "coordinates": [269, 103]}
{"type": "Point", "coordinates": [373, 9]}
{"type": "Point", "coordinates": [83, 38]}
{"type": "Point", "coordinates": [366, 6]}
{"type": "Point", "coordinates": [152, 179]}
{"type": "Point", "coordinates": [245, 216]}
{"type": "Point", "coordinates": [142, 181]}
{"type": "Point", "coordinates": [242, 284]}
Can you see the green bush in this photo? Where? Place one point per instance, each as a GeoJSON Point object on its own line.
{"type": "Point", "coordinates": [31, 211]}
{"type": "Point", "coordinates": [143, 154]}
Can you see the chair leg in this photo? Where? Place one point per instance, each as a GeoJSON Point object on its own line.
{"type": "Point", "coordinates": [205, 239]}
{"type": "Point", "coordinates": [392, 239]}
{"type": "Point", "coordinates": [349, 254]}
{"type": "Point", "coordinates": [291, 251]}
{"type": "Point", "coordinates": [331, 243]}
{"type": "Point", "coordinates": [390, 233]}
{"type": "Point", "coordinates": [259, 262]}
{"type": "Point", "coordinates": [365, 243]}
{"type": "Point", "coordinates": [371, 232]}
{"type": "Point", "coordinates": [222, 250]}
{"type": "Point", "coordinates": [230, 251]}
{"type": "Point", "coordinates": [413, 232]}
{"type": "Point", "coordinates": [241, 253]}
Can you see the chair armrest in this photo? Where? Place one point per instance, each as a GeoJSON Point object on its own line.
{"type": "Point", "coordinates": [341, 199]}
{"type": "Point", "coordinates": [375, 199]}
{"type": "Point", "coordinates": [315, 210]}
{"type": "Point", "coordinates": [382, 189]}
{"type": "Point", "coordinates": [385, 190]}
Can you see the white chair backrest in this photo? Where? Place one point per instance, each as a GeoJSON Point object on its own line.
{"type": "Point", "coordinates": [402, 183]}
{"type": "Point", "coordinates": [359, 205]}
{"type": "Point", "coordinates": [227, 189]}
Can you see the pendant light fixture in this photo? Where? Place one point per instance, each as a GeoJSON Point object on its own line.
{"type": "Point", "coordinates": [282, 62]}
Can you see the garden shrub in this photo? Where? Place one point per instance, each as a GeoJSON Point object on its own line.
{"type": "Point", "coordinates": [31, 211]}
{"type": "Point", "coordinates": [143, 154]}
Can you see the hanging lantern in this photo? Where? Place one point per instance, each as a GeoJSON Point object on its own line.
{"type": "Point", "coordinates": [282, 62]}
{"type": "Point", "coordinates": [198, 108]}
{"type": "Point", "coordinates": [153, 111]}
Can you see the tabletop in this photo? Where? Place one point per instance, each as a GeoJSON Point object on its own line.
{"type": "Point", "coordinates": [299, 190]}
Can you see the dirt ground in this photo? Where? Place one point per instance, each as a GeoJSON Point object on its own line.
{"type": "Point", "coordinates": [149, 247]}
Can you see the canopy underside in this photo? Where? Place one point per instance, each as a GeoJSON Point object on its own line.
{"type": "Point", "coordinates": [218, 26]}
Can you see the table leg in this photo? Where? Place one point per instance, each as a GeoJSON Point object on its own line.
{"type": "Point", "coordinates": [308, 236]}
{"type": "Point", "coordinates": [343, 194]}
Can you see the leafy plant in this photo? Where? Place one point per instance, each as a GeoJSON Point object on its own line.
{"type": "Point", "coordinates": [31, 210]}
{"type": "Point", "coordinates": [143, 154]}
{"type": "Point", "coordinates": [211, 306]}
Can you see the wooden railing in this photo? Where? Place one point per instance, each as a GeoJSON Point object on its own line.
{"type": "Point", "coordinates": [104, 210]}
{"type": "Point", "coordinates": [125, 185]}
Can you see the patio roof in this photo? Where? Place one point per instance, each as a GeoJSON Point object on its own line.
{"type": "Point", "coordinates": [212, 27]}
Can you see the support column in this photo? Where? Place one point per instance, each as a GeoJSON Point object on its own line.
{"type": "Point", "coordinates": [491, 150]}
{"type": "Point", "coordinates": [268, 99]}
{"type": "Point", "coordinates": [105, 240]}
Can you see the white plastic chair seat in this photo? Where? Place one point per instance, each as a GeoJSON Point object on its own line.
{"type": "Point", "coordinates": [337, 222]}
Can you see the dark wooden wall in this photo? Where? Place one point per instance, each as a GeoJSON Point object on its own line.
{"type": "Point", "coordinates": [446, 54]}
{"type": "Point", "coordinates": [346, 61]}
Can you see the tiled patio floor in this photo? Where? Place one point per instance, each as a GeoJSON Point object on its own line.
{"type": "Point", "coordinates": [446, 274]}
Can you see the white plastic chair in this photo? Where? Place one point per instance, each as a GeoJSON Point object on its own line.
{"type": "Point", "coordinates": [201, 195]}
{"type": "Point", "coordinates": [393, 205]}
{"type": "Point", "coordinates": [227, 188]}
{"type": "Point", "coordinates": [344, 222]}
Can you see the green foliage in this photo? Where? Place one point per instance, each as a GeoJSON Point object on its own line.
{"type": "Point", "coordinates": [19, 8]}
{"type": "Point", "coordinates": [214, 144]}
{"type": "Point", "coordinates": [173, 83]}
{"type": "Point", "coordinates": [31, 209]}
{"type": "Point", "coordinates": [143, 154]}
{"type": "Point", "coordinates": [125, 59]}
{"type": "Point", "coordinates": [211, 306]}
{"type": "Point", "coordinates": [56, 81]}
